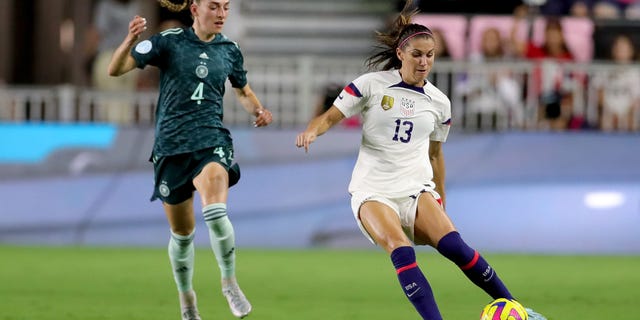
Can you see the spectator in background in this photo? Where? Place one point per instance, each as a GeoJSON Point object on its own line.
{"type": "Point", "coordinates": [444, 80]}
{"type": "Point", "coordinates": [111, 20]}
{"type": "Point", "coordinates": [566, 7]}
{"type": "Point", "coordinates": [492, 94]}
{"type": "Point", "coordinates": [329, 94]}
{"type": "Point", "coordinates": [599, 9]}
{"type": "Point", "coordinates": [442, 49]}
{"type": "Point", "coordinates": [550, 82]}
{"type": "Point", "coordinates": [618, 94]}
{"type": "Point", "coordinates": [616, 9]}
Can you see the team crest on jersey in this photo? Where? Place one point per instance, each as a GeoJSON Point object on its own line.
{"type": "Point", "coordinates": [164, 189]}
{"type": "Point", "coordinates": [387, 102]}
{"type": "Point", "coordinates": [408, 107]}
{"type": "Point", "coordinates": [202, 71]}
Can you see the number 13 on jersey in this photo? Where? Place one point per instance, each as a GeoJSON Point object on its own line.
{"type": "Point", "coordinates": [407, 127]}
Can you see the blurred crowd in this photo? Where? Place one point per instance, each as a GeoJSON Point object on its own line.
{"type": "Point", "coordinates": [552, 35]}
{"type": "Point", "coordinates": [489, 38]}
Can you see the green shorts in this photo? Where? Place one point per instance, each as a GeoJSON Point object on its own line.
{"type": "Point", "coordinates": [174, 174]}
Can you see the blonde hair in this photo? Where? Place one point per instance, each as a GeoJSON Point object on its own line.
{"type": "Point", "coordinates": [174, 7]}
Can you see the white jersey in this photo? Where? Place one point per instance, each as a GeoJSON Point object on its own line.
{"type": "Point", "coordinates": [398, 121]}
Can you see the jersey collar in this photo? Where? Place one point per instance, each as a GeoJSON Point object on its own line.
{"type": "Point", "coordinates": [191, 33]}
{"type": "Point", "coordinates": [405, 85]}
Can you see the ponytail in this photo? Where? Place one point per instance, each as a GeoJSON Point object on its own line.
{"type": "Point", "coordinates": [174, 7]}
{"type": "Point", "coordinates": [400, 32]}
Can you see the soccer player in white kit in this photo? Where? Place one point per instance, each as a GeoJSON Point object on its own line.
{"type": "Point", "coordinates": [397, 185]}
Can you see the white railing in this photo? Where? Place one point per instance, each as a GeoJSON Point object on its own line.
{"type": "Point", "coordinates": [489, 96]}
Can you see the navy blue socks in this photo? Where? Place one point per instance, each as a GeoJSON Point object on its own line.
{"type": "Point", "coordinates": [414, 283]}
{"type": "Point", "coordinates": [473, 265]}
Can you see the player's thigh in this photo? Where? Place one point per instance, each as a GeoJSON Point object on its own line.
{"type": "Point", "coordinates": [383, 225]}
{"type": "Point", "coordinates": [212, 183]}
{"type": "Point", "coordinates": [180, 216]}
{"type": "Point", "coordinates": [211, 179]}
{"type": "Point", "coordinates": [432, 222]}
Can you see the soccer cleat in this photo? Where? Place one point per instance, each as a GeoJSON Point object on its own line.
{"type": "Point", "coordinates": [534, 315]}
{"type": "Point", "coordinates": [190, 313]}
{"type": "Point", "coordinates": [238, 303]}
{"type": "Point", "coordinates": [188, 306]}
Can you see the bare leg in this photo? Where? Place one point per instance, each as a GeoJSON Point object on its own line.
{"type": "Point", "coordinates": [383, 225]}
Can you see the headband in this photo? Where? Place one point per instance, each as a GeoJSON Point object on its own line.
{"type": "Point", "coordinates": [413, 35]}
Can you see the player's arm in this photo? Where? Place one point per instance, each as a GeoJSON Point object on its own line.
{"type": "Point", "coordinates": [436, 157]}
{"type": "Point", "coordinates": [122, 61]}
{"type": "Point", "coordinates": [250, 102]}
{"type": "Point", "coordinates": [319, 125]}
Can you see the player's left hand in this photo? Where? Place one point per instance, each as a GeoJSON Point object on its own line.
{"type": "Point", "coordinates": [263, 118]}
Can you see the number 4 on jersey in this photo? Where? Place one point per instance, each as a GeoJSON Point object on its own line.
{"type": "Point", "coordinates": [198, 93]}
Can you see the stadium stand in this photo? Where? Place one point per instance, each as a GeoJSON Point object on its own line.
{"type": "Point", "coordinates": [333, 27]}
{"type": "Point", "coordinates": [454, 29]}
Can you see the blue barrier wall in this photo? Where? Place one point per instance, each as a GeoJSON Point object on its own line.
{"type": "Point", "coordinates": [32, 143]}
{"type": "Point", "coordinates": [551, 193]}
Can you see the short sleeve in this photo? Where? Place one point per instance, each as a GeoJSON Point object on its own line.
{"type": "Point", "coordinates": [148, 52]}
{"type": "Point", "coordinates": [353, 97]}
{"type": "Point", "coordinates": [238, 75]}
{"type": "Point", "coordinates": [441, 130]}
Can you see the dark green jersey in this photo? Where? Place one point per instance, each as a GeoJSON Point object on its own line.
{"type": "Point", "coordinates": [192, 83]}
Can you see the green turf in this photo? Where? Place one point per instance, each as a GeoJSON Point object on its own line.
{"type": "Point", "coordinates": [129, 284]}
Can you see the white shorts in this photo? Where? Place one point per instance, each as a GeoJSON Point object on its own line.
{"type": "Point", "coordinates": [405, 207]}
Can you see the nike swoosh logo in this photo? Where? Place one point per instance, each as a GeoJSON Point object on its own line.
{"type": "Point", "coordinates": [412, 293]}
{"type": "Point", "coordinates": [340, 97]}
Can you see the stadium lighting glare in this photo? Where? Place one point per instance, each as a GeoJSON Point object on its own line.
{"type": "Point", "coordinates": [604, 199]}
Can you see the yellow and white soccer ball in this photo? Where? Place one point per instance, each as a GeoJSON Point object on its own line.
{"type": "Point", "coordinates": [504, 309]}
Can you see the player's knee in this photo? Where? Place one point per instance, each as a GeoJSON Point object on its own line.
{"type": "Point", "coordinates": [215, 178]}
{"type": "Point", "coordinates": [390, 242]}
{"type": "Point", "coordinates": [183, 231]}
{"type": "Point", "coordinates": [212, 175]}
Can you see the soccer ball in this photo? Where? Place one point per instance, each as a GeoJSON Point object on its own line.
{"type": "Point", "coordinates": [504, 309]}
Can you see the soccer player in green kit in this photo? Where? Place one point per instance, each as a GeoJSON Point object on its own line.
{"type": "Point", "coordinates": [192, 149]}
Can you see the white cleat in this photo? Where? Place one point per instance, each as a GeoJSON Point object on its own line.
{"type": "Point", "coordinates": [188, 306]}
{"type": "Point", "coordinates": [190, 313]}
{"type": "Point", "coordinates": [532, 315]}
{"type": "Point", "coordinates": [238, 303]}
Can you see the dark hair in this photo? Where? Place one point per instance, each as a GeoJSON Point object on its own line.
{"type": "Point", "coordinates": [554, 23]}
{"type": "Point", "coordinates": [401, 30]}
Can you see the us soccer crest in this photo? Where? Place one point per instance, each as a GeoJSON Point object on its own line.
{"type": "Point", "coordinates": [408, 107]}
{"type": "Point", "coordinates": [387, 102]}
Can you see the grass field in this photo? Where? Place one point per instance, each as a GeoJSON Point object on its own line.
{"type": "Point", "coordinates": [128, 284]}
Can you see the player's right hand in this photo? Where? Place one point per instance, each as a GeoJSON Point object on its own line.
{"type": "Point", "coordinates": [137, 26]}
{"type": "Point", "coordinates": [305, 139]}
